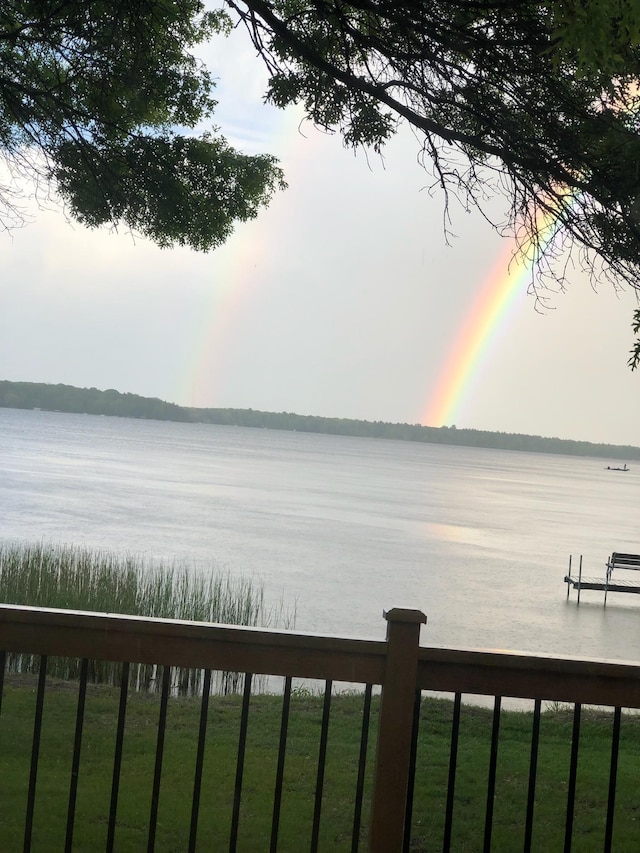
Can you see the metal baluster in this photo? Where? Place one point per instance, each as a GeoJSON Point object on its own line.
{"type": "Point", "coordinates": [277, 795]}
{"type": "Point", "coordinates": [322, 756]}
{"type": "Point", "coordinates": [451, 784]}
{"type": "Point", "coordinates": [491, 787]}
{"type": "Point", "coordinates": [75, 762]}
{"type": "Point", "coordinates": [412, 773]}
{"type": "Point", "coordinates": [573, 774]}
{"type": "Point", "coordinates": [3, 663]}
{"type": "Point", "coordinates": [242, 743]}
{"type": "Point", "coordinates": [362, 763]}
{"type": "Point", "coordinates": [613, 774]}
{"type": "Point", "coordinates": [157, 772]}
{"type": "Point", "coordinates": [35, 754]}
{"type": "Point", "coordinates": [197, 782]}
{"type": "Point", "coordinates": [117, 758]}
{"type": "Point", "coordinates": [533, 768]}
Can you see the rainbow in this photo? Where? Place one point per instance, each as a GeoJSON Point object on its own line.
{"type": "Point", "coordinates": [234, 281]}
{"type": "Point", "coordinates": [231, 287]}
{"type": "Point", "coordinates": [503, 290]}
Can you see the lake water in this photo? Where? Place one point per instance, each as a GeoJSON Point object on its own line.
{"type": "Point", "coordinates": [340, 527]}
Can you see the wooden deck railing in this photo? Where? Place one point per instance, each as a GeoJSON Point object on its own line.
{"type": "Point", "coordinates": [398, 665]}
{"type": "Point", "coordinates": [528, 676]}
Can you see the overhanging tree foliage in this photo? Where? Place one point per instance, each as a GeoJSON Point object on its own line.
{"type": "Point", "coordinates": [96, 96]}
{"type": "Point", "coordinates": [538, 100]}
{"type": "Point", "coordinates": [494, 89]}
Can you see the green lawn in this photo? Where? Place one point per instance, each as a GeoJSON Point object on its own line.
{"type": "Point", "coordinates": [16, 725]}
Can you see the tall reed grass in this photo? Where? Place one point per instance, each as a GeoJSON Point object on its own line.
{"type": "Point", "coordinates": [77, 578]}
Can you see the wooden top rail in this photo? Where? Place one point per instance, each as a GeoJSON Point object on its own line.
{"type": "Point", "coordinates": [529, 676]}
{"type": "Point", "coordinates": [137, 639]}
{"type": "Point", "coordinates": [264, 651]}
{"type": "Point", "coordinates": [623, 561]}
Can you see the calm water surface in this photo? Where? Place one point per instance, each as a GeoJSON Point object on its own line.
{"type": "Point", "coordinates": [341, 527]}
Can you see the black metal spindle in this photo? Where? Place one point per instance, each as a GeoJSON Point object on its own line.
{"type": "Point", "coordinates": [3, 663]}
{"type": "Point", "coordinates": [282, 747]}
{"type": "Point", "coordinates": [451, 783]}
{"type": "Point", "coordinates": [117, 758]}
{"type": "Point", "coordinates": [493, 764]}
{"type": "Point", "coordinates": [242, 743]}
{"type": "Point", "coordinates": [362, 764]}
{"type": "Point", "coordinates": [157, 771]}
{"type": "Point", "coordinates": [197, 782]}
{"type": "Point", "coordinates": [75, 761]}
{"type": "Point", "coordinates": [322, 758]}
{"type": "Point", "coordinates": [408, 815]}
{"type": "Point", "coordinates": [533, 769]}
{"type": "Point", "coordinates": [613, 777]}
{"type": "Point", "coordinates": [573, 775]}
{"type": "Point", "coordinates": [35, 754]}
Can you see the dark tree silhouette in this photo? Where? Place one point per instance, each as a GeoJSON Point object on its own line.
{"type": "Point", "coordinates": [100, 99]}
{"type": "Point", "coordinates": [505, 96]}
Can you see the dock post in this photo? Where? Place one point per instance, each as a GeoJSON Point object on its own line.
{"type": "Point", "coordinates": [579, 578]}
{"type": "Point", "coordinates": [568, 578]}
{"type": "Point", "coordinates": [606, 582]}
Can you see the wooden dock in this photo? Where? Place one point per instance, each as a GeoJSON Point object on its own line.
{"type": "Point", "coordinates": [607, 583]}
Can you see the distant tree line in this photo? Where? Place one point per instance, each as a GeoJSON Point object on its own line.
{"type": "Point", "coordinates": [67, 398]}
{"type": "Point", "coordinates": [413, 432]}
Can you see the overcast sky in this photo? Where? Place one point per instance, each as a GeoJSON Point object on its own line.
{"type": "Point", "coordinates": [342, 299]}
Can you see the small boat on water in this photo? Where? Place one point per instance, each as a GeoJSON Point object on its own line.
{"type": "Point", "coordinates": [624, 468]}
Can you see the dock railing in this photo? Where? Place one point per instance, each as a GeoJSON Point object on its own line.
{"type": "Point", "coordinates": [386, 810]}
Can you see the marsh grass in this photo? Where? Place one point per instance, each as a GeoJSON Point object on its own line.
{"type": "Point", "coordinates": [77, 578]}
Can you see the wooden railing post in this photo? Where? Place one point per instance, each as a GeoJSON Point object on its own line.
{"type": "Point", "coordinates": [391, 773]}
